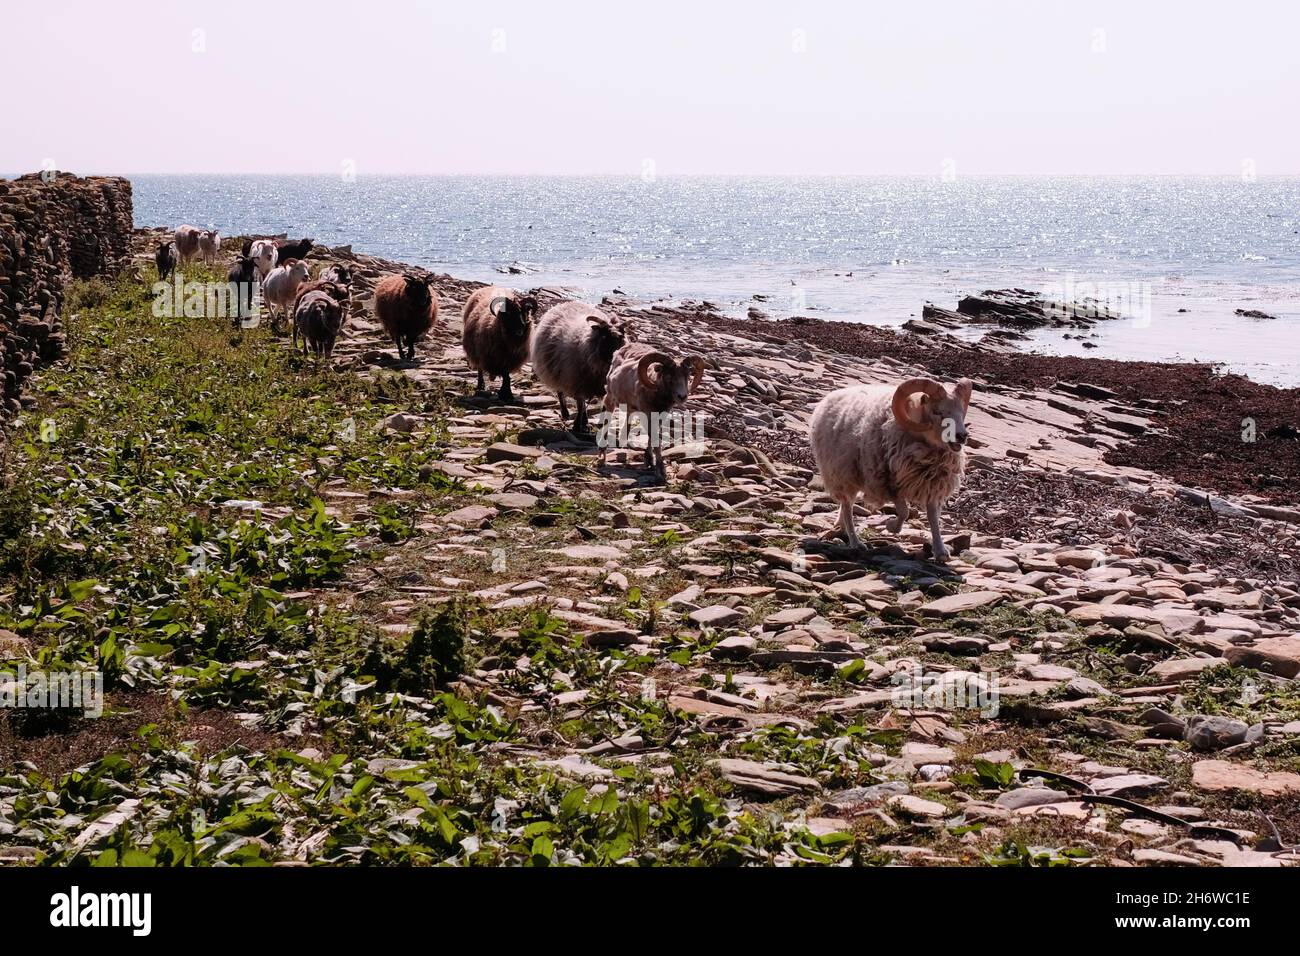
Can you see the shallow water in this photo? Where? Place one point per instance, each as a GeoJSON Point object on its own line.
{"type": "Point", "coordinates": [862, 249]}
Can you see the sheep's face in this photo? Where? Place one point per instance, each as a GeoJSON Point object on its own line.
{"type": "Point", "coordinates": [515, 316]}
{"type": "Point", "coordinates": [608, 335]}
{"type": "Point", "coordinates": [672, 380]}
{"type": "Point", "coordinates": [298, 271]}
{"type": "Point", "coordinates": [933, 413]}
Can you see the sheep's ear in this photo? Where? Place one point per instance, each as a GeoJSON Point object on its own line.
{"type": "Point", "coordinates": [498, 305]}
{"type": "Point", "coordinates": [962, 391]}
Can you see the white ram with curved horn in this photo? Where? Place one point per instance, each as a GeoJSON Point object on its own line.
{"type": "Point", "coordinates": [903, 444]}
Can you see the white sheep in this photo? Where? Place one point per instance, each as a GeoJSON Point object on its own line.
{"type": "Point", "coordinates": [903, 444]}
{"type": "Point", "coordinates": [280, 288]}
{"type": "Point", "coordinates": [209, 245]}
{"type": "Point", "coordinates": [644, 381]}
{"type": "Point", "coordinates": [264, 256]}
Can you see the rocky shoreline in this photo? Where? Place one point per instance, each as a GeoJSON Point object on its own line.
{"type": "Point", "coordinates": [1141, 635]}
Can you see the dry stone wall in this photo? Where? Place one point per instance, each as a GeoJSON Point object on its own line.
{"type": "Point", "coordinates": [52, 228]}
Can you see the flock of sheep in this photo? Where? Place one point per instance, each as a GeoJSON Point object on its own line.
{"type": "Point", "coordinates": [898, 445]}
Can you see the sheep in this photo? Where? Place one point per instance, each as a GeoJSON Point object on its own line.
{"type": "Point", "coordinates": [281, 286]}
{"type": "Point", "coordinates": [263, 253]}
{"type": "Point", "coordinates": [899, 444]}
{"type": "Point", "coordinates": [632, 384]}
{"type": "Point", "coordinates": [165, 259]}
{"type": "Point", "coordinates": [187, 243]}
{"type": "Point", "coordinates": [340, 275]}
{"type": "Point", "coordinates": [339, 291]}
{"type": "Point", "coordinates": [495, 335]}
{"type": "Point", "coordinates": [572, 346]}
{"type": "Point", "coordinates": [209, 243]}
{"type": "Point", "coordinates": [240, 278]}
{"type": "Point", "coordinates": [407, 308]}
{"type": "Point", "coordinates": [292, 248]}
{"type": "Point", "coordinates": [319, 316]}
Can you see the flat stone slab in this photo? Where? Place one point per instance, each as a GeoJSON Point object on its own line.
{"type": "Point", "coordinates": [764, 779]}
{"type": "Point", "coordinates": [1217, 775]}
{"type": "Point", "coordinates": [505, 451]}
{"type": "Point", "coordinates": [1276, 655]}
{"type": "Point", "coordinates": [717, 615]}
{"type": "Point", "coordinates": [1182, 668]}
{"type": "Point", "coordinates": [472, 515]}
{"type": "Point", "coordinates": [955, 604]}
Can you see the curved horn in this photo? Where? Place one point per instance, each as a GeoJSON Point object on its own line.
{"type": "Point", "coordinates": [498, 305]}
{"type": "Point", "coordinates": [643, 367]}
{"type": "Point", "coordinates": [904, 392]}
{"type": "Point", "coordinates": [962, 391]}
{"type": "Point", "coordinates": [696, 362]}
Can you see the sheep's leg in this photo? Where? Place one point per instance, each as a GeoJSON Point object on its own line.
{"type": "Point", "coordinates": [902, 510]}
{"type": "Point", "coordinates": [936, 535]}
{"type": "Point", "coordinates": [505, 394]}
{"type": "Point", "coordinates": [846, 519]}
{"type": "Point", "coordinates": [659, 464]}
{"type": "Point", "coordinates": [580, 426]}
{"type": "Point", "coordinates": [482, 384]}
{"type": "Point", "coordinates": [564, 409]}
{"type": "Point", "coordinates": [845, 527]}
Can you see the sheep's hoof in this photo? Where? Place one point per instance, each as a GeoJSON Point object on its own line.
{"type": "Point", "coordinates": [894, 525]}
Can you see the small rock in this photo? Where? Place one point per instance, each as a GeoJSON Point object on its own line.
{"type": "Point", "coordinates": [1030, 797]}
{"type": "Point", "coordinates": [737, 647]}
{"type": "Point", "coordinates": [1129, 785]}
{"type": "Point", "coordinates": [916, 806]}
{"type": "Point", "coordinates": [1215, 733]}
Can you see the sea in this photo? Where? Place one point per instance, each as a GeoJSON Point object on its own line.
{"type": "Point", "coordinates": [1178, 256]}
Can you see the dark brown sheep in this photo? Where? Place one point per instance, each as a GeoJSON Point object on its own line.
{"type": "Point", "coordinates": [407, 308]}
{"type": "Point", "coordinates": [495, 336]}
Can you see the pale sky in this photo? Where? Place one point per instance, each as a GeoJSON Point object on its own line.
{"type": "Point", "coordinates": [693, 86]}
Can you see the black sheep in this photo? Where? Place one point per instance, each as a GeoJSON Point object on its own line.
{"type": "Point", "coordinates": [241, 278]}
{"type": "Point", "coordinates": [165, 260]}
{"type": "Point", "coordinates": [292, 248]}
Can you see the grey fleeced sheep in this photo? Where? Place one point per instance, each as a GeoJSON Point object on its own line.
{"type": "Point", "coordinates": [338, 291]}
{"type": "Point", "coordinates": [647, 381]}
{"type": "Point", "coordinates": [187, 243]}
{"type": "Point", "coordinates": [407, 308]}
{"type": "Point", "coordinates": [318, 317]}
{"type": "Point", "coordinates": [573, 344]}
{"type": "Point", "coordinates": [495, 335]}
{"type": "Point", "coordinates": [901, 444]}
